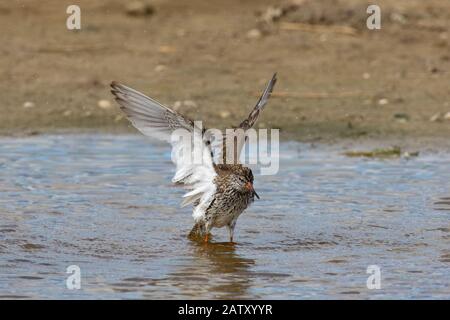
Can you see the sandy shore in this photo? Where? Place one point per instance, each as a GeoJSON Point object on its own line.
{"type": "Point", "coordinates": [338, 81]}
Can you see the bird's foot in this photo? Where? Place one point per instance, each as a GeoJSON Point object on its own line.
{"type": "Point", "coordinates": [202, 238]}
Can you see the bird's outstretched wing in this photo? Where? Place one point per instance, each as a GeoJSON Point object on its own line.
{"type": "Point", "coordinates": [262, 101]}
{"type": "Point", "coordinates": [155, 120]}
{"type": "Point", "coordinates": [233, 147]}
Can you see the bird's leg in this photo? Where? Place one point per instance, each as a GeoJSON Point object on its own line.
{"type": "Point", "coordinates": [231, 231]}
{"type": "Point", "coordinates": [206, 228]}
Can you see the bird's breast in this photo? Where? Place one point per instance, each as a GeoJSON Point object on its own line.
{"type": "Point", "coordinates": [228, 207]}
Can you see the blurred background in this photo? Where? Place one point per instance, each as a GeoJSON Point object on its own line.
{"type": "Point", "coordinates": [210, 60]}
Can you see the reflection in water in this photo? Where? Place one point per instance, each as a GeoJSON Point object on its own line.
{"type": "Point", "coordinates": [215, 271]}
{"type": "Point", "coordinates": [106, 204]}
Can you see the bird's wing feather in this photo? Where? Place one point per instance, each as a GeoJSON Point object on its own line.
{"type": "Point", "coordinates": [233, 148]}
{"type": "Point", "coordinates": [262, 101]}
{"type": "Point", "coordinates": [148, 115]}
{"type": "Point", "coordinates": [155, 120]}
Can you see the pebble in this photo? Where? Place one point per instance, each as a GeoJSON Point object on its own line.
{"type": "Point", "coordinates": [436, 117]}
{"type": "Point", "coordinates": [447, 116]}
{"type": "Point", "coordinates": [29, 104]}
{"type": "Point", "coordinates": [139, 8]}
{"type": "Point", "coordinates": [366, 75]}
{"type": "Point", "coordinates": [383, 102]}
{"type": "Point", "coordinates": [67, 113]}
{"type": "Point", "coordinates": [224, 114]}
{"type": "Point", "coordinates": [186, 103]}
{"type": "Point", "coordinates": [271, 14]}
{"type": "Point", "coordinates": [190, 103]}
{"type": "Point", "coordinates": [254, 34]}
{"type": "Point", "coordinates": [401, 117]}
{"type": "Point", "coordinates": [160, 68]}
{"type": "Point", "coordinates": [167, 49]}
{"type": "Point", "coordinates": [177, 105]}
{"type": "Point", "coordinates": [407, 154]}
{"type": "Point", "coordinates": [104, 104]}
{"type": "Point", "coordinates": [398, 17]}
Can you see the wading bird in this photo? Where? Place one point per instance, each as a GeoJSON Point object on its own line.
{"type": "Point", "coordinates": [219, 192]}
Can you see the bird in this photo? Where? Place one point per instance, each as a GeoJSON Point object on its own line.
{"type": "Point", "coordinates": [219, 191]}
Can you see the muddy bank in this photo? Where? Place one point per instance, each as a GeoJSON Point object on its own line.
{"type": "Point", "coordinates": [337, 80]}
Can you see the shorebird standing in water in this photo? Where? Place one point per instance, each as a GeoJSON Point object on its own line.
{"type": "Point", "coordinates": [220, 192]}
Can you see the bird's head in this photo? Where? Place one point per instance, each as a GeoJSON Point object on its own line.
{"type": "Point", "coordinates": [243, 181]}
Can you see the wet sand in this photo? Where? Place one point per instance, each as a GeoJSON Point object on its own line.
{"type": "Point", "coordinates": [202, 57]}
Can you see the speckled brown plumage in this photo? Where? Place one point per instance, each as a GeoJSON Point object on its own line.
{"type": "Point", "coordinates": [234, 194]}
{"type": "Point", "coordinates": [219, 192]}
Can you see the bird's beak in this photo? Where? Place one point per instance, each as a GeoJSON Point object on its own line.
{"type": "Point", "coordinates": [249, 187]}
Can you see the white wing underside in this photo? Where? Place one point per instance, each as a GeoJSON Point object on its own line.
{"type": "Point", "coordinates": [155, 120]}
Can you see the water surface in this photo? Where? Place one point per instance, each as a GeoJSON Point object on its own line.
{"type": "Point", "coordinates": [105, 203]}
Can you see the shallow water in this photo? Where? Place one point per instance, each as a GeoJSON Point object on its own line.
{"type": "Point", "coordinates": [105, 203]}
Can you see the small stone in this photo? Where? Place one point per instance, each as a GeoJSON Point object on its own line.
{"type": "Point", "coordinates": [366, 75]}
{"type": "Point", "coordinates": [139, 8]}
{"type": "Point", "coordinates": [32, 133]}
{"type": "Point", "coordinates": [176, 105]}
{"type": "Point", "coordinates": [224, 114]}
{"type": "Point", "coordinates": [186, 103]}
{"type": "Point", "coordinates": [29, 104]}
{"type": "Point", "coordinates": [104, 104]}
{"type": "Point", "coordinates": [434, 70]}
{"type": "Point", "coordinates": [398, 17]}
{"type": "Point", "coordinates": [167, 49]}
{"type": "Point", "coordinates": [447, 116]}
{"type": "Point", "coordinates": [408, 155]}
{"type": "Point", "coordinates": [160, 68]}
{"type": "Point", "coordinates": [67, 113]}
{"type": "Point", "coordinates": [383, 102]}
{"type": "Point", "coordinates": [401, 117]}
{"type": "Point", "coordinates": [436, 117]}
{"type": "Point", "coordinates": [272, 14]}
{"type": "Point", "coordinates": [190, 103]}
{"type": "Point", "coordinates": [254, 34]}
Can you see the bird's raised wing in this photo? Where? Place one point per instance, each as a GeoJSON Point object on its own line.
{"type": "Point", "coordinates": [155, 120]}
{"type": "Point", "coordinates": [233, 146]}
